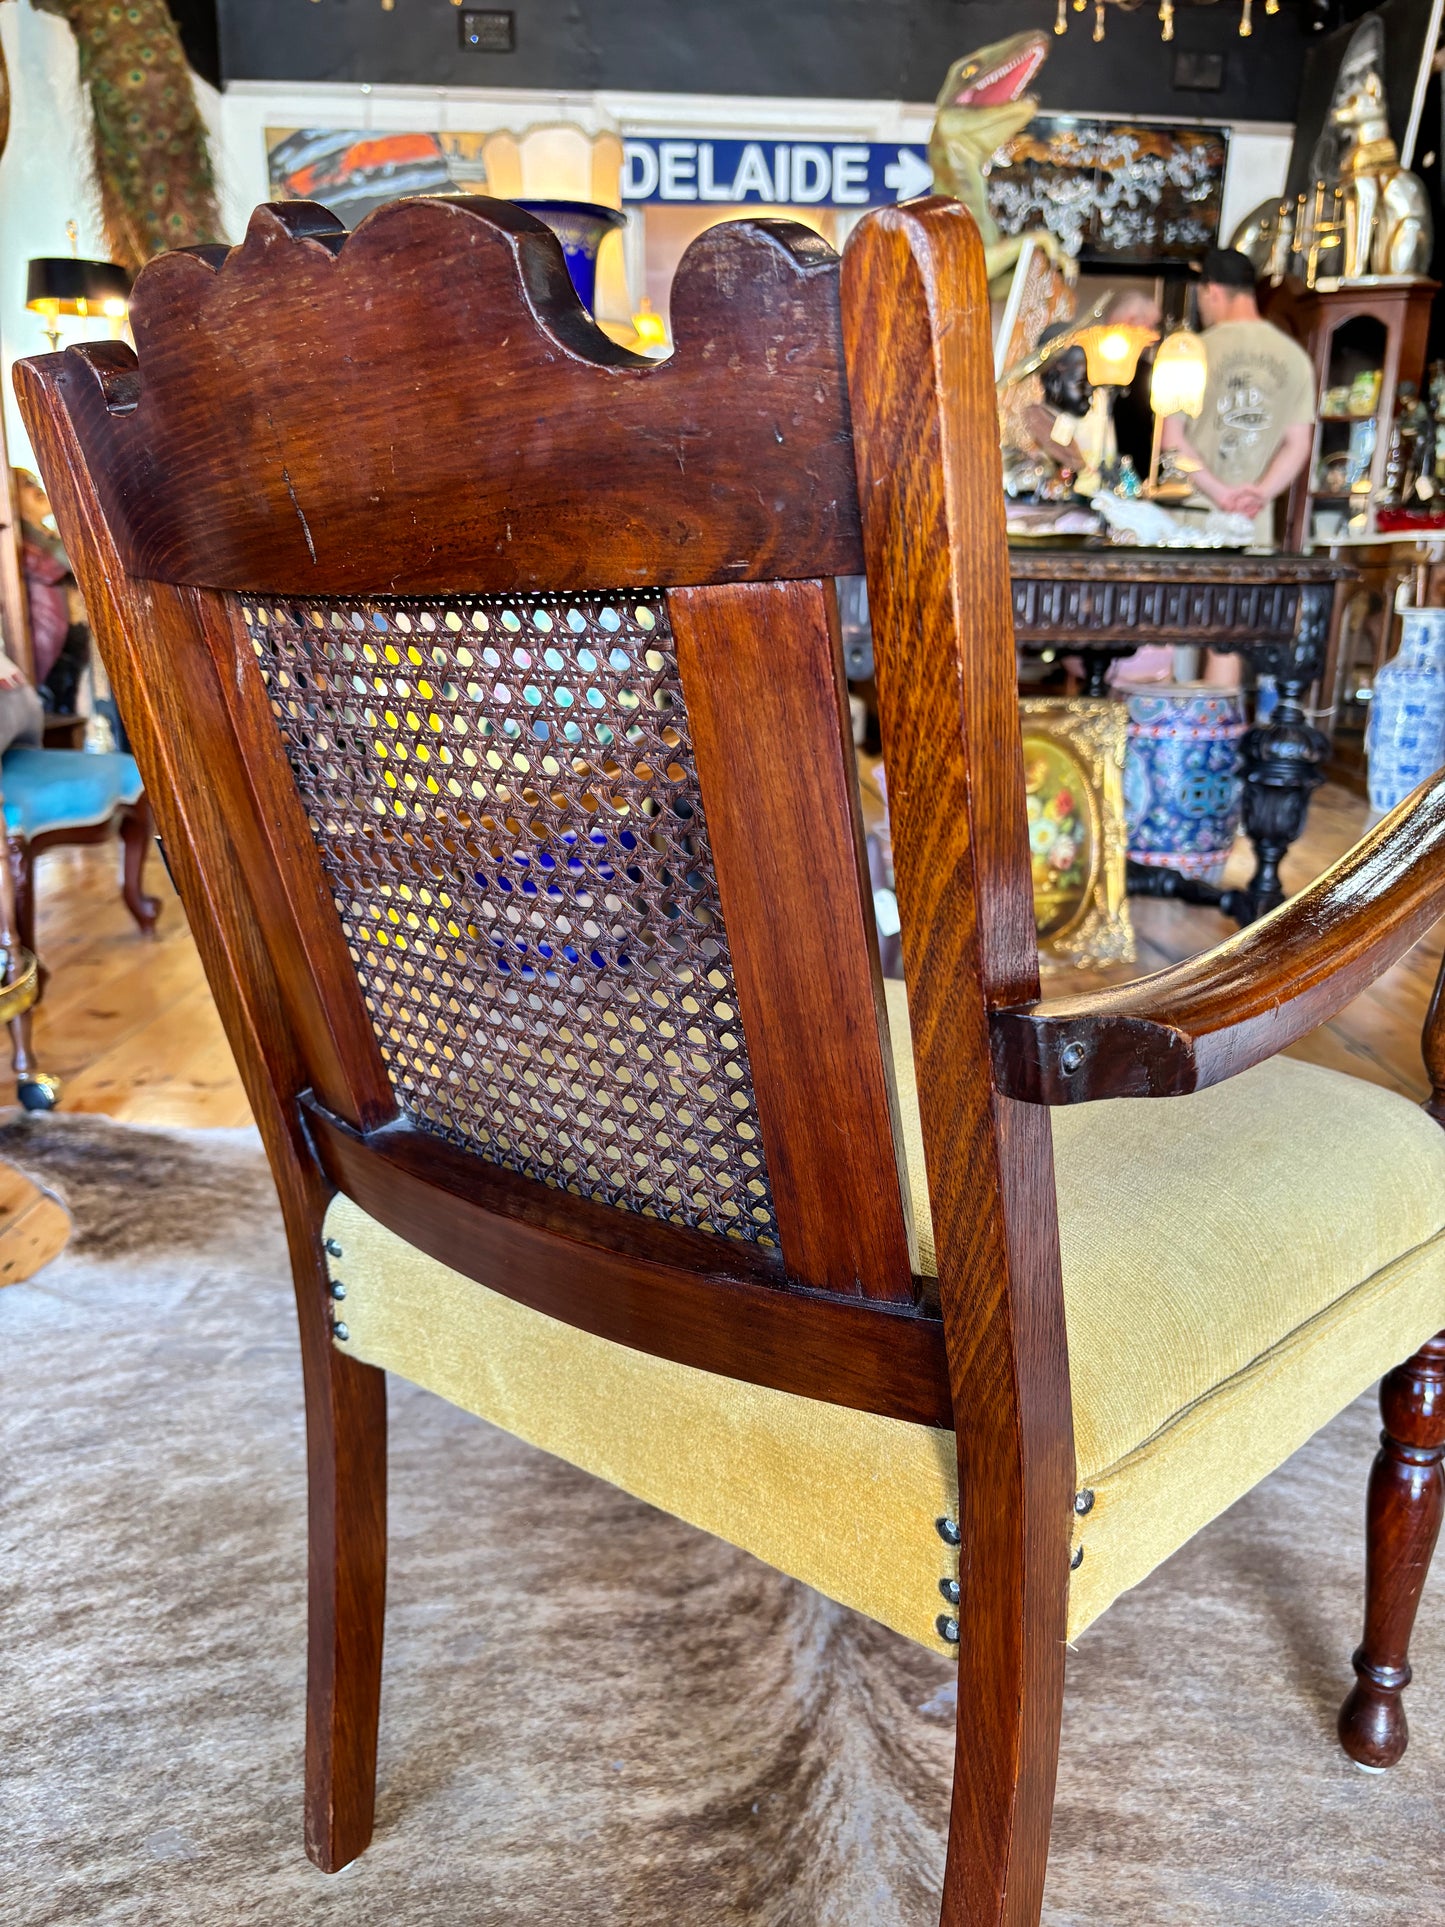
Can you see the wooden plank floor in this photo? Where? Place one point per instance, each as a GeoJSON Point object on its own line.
{"type": "Point", "coordinates": [131, 1028]}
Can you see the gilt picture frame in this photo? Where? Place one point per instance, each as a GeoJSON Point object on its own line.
{"type": "Point", "coordinates": [1074, 750]}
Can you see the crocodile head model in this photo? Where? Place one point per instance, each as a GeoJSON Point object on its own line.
{"type": "Point", "coordinates": [982, 104]}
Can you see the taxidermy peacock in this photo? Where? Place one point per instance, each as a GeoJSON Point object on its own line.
{"type": "Point", "coordinates": [152, 159]}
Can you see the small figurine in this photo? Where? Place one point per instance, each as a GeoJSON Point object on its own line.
{"type": "Point", "coordinates": [1071, 426]}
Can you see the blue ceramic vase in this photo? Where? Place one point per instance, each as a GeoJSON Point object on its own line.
{"type": "Point", "coordinates": [1182, 794]}
{"type": "Point", "coordinates": [1405, 736]}
{"type": "Point", "coordinates": [580, 227]}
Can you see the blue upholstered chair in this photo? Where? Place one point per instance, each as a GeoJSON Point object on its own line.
{"type": "Point", "coordinates": [55, 796]}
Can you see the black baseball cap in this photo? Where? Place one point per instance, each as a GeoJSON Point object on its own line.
{"type": "Point", "coordinates": [1228, 268]}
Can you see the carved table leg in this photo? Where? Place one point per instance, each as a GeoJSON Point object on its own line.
{"type": "Point", "coordinates": [1282, 762]}
{"type": "Point", "coordinates": [1406, 1498]}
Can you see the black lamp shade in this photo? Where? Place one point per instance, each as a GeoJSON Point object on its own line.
{"type": "Point", "coordinates": [59, 284]}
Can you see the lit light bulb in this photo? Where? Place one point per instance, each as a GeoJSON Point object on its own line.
{"type": "Point", "coordinates": [1246, 22]}
{"type": "Point", "coordinates": [1271, 6]}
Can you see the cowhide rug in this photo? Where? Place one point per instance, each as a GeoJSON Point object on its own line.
{"type": "Point", "coordinates": [591, 1713]}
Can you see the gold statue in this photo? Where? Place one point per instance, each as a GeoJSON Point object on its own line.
{"type": "Point", "coordinates": [1386, 210]}
{"type": "Point", "coordinates": [1369, 215]}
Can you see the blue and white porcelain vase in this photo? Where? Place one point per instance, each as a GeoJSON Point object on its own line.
{"type": "Point", "coordinates": [1182, 794]}
{"type": "Point", "coordinates": [1405, 736]}
{"type": "Point", "coordinates": [580, 226]}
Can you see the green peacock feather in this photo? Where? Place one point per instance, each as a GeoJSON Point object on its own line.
{"type": "Point", "coordinates": [152, 158]}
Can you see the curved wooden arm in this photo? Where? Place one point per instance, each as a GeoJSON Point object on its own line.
{"type": "Point", "coordinates": [1215, 1014]}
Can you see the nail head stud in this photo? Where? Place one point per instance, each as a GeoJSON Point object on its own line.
{"type": "Point", "coordinates": [948, 1532]}
{"type": "Point", "coordinates": [1077, 1560]}
{"type": "Point", "coordinates": [947, 1628]}
{"type": "Point", "coordinates": [338, 1290]}
{"type": "Point", "coordinates": [1071, 1056]}
{"type": "Point", "coordinates": [332, 1248]}
{"type": "Point", "coordinates": [1083, 1502]}
{"type": "Point", "coordinates": [950, 1590]}
{"type": "Point", "coordinates": [341, 1332]}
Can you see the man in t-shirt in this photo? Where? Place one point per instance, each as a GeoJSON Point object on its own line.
{"type": "Point", "coordinates": [1254, 433]}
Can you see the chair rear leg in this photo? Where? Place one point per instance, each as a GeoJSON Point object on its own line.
{"type": "Point", "coordinates": [1403, 1512]}
{"type": "Point", "coordinates": [346, 1451]}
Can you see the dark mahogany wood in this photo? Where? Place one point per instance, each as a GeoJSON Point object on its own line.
{"type": "Point", "coordinates": [762, 672]}
{"type": "Point", "coordinates": [276, 440]}
{"type": "Point", "coordinates": [1213, 1015]}
{"type": "Point", "coordinates": [716, 1303]}
{"type": "Point", "coordinates": [916, 335]}
{"type": "Point", "coordinates": [166, 690]}
{"type": "Point", "coordinates": [1406, 1501]}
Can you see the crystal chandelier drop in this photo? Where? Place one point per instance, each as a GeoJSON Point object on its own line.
{"type": "Point", "coordinates": [1166, 14]}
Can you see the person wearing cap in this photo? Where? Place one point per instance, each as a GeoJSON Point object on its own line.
{"type": "Point", "coordinates": [1254, 432]}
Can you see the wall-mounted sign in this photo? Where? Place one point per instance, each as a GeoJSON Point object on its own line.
{"type": "Point", "coordinates": [778, 173]}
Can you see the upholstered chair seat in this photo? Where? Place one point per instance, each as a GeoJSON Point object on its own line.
{"type": "Point", "coordinates": [48, 790]}
{"type": "Point", "coordinates": [1238, 1265]}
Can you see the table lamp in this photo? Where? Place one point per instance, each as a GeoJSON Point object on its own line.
{"type": "Point", "coordinates": [1176, 386]}
{"type": "Point", "coordinates": [58, 284]}
{"type": "Point", "coordinates": [1112, 349]}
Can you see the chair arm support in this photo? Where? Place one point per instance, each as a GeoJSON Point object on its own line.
{"type": "Point", "coordinates": [1203, 1020]}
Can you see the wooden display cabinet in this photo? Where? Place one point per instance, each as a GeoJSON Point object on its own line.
{"type": "Point", "coordinates": [1348, 331]}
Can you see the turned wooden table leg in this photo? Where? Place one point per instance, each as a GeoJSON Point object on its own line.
{"type": "Point", "coordinates": [1406, 1498]}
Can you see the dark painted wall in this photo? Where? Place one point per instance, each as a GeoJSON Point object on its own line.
{"type": "Point", "coordinates": [860, 49]}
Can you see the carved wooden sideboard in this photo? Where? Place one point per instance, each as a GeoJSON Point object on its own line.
{"type": "Point", "coordinates": [1277, 610]}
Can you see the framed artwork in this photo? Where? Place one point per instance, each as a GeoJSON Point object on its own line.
{"type": "Point", "coordinates": [1113, 191]}
{"type": "Point", "coordinates": [1078, 847]}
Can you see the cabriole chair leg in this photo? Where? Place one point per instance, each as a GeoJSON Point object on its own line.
{"type": "Point", "coordinates": [346, 1451]}
{"type": "Point", "coordinates": [1406, 1499]}
{"type": "Point", "coordinates": [137, 829]}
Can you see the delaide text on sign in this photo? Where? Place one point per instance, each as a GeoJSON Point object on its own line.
{"type": "Point", "coordinates": [783, 173]}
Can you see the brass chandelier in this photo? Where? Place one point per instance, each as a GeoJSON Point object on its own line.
{"type": "Point", "coordinates": [1166, 14]}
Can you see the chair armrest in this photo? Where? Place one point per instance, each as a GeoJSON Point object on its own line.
{"type": "Point", "coordinates": [1203, 1020]}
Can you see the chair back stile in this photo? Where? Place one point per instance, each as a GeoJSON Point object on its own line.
{"type": "Point", "coordinates": [547, 632]}
{"type": "Point", "coordinates": [933, 523]}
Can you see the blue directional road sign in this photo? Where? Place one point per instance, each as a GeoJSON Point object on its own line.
{"type": "Point", "coordinates": [783, 173]}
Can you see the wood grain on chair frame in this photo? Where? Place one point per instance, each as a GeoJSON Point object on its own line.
{"type": "Point", "coordinates": [327, 434]}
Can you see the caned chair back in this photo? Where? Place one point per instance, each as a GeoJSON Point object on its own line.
{"type": "Point", "coordinates": [512, 661]}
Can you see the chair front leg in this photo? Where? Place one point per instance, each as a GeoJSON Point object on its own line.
{"type": "Point", "coordinates": [1406, 1500]}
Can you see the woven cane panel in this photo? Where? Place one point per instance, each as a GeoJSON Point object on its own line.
{"type": "Point", "coordinates": [503, 794]}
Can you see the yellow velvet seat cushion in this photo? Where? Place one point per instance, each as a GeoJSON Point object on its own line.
{"type": "Point", "coordinates": [1238, 1265]}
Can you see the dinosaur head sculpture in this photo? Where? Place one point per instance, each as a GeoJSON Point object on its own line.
{"type": "Point", "coordinates": [983, 103]}
{"type": "Point", "coordinates": [986, 90]}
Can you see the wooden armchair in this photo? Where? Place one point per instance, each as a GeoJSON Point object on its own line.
{"type": "Point", "coordinates": [486, 683]}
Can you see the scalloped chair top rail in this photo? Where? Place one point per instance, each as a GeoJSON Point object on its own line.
{"type": "Point", "coordinates": [424, 406]}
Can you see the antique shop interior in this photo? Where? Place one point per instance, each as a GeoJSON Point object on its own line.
{"type": "Point", "coordinates": [722, 735]}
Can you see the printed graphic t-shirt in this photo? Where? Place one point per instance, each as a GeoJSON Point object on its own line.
{"type": "Point", "coordinates": [1259, 383]}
